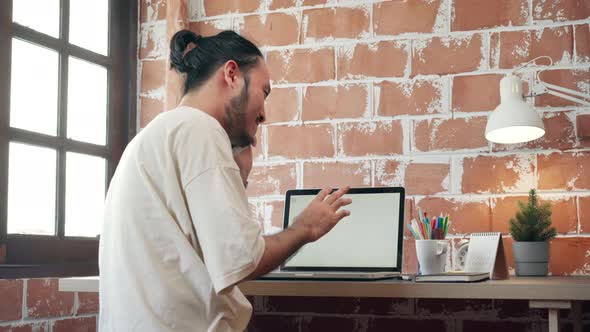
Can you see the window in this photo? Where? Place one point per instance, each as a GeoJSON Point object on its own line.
{"type": "Point", "coordinates": [67, 109]}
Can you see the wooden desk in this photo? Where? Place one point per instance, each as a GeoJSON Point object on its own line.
{"type": "Point", "coordinates": [552, 293]}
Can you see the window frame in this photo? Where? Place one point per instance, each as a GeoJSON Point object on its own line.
{"type": "Point", "coordinates": [49, 256]}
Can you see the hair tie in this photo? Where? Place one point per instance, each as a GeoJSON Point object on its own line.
{"type": "Point", "coordinates": [190, 46]}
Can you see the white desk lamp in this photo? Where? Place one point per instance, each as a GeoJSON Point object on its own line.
{"type": "Point", "coordinates": [514, 121]}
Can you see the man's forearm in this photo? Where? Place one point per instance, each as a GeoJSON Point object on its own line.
{"type": "Point", "coordinates": [278, 248]}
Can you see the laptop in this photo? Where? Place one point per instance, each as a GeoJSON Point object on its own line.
{"type": "Point", "coordinates": [367, 245]}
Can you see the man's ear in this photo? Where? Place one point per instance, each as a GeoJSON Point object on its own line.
{"type": "Point", "coordinates": [231, 73]}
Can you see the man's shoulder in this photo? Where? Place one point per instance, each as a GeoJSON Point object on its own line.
{"type": "Point", "coordinates": [195, 130]}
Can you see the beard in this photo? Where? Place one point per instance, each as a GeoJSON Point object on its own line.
{"type": "Point", "coordinates": [235, 114]}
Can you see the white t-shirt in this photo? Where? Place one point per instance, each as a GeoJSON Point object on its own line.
{"type": "Point", "coordinates": [177, 233]}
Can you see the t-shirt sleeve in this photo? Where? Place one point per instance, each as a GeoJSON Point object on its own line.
{"type": "Point", "coordinates": [230, 239]}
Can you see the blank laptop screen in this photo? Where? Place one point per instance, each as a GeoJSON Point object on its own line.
{"type": "Point", "coordinates": [368, 238]}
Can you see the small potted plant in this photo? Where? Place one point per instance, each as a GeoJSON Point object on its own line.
{"type": "Point", "coordinates": [531, 232]}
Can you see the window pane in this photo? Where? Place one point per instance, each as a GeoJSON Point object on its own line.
{"type": "Point", "coordinates": [89, 24]}
{"type": "Point", "coordinates": [40, 15]}
{"type": "Point", "coordinates": [33, 89]}
{"type": "Point", "coordinates": [87, 102]}
{"type": "Point", "coordinates": [31, 189]}
{"type": "Point", "coordinates": [85, 190]}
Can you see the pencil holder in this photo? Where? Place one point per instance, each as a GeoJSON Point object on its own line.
{"type": "Point", "coordinates": [432, 256]}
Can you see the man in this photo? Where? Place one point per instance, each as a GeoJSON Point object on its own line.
{"type": "Point", "coordinates": [177, 234]}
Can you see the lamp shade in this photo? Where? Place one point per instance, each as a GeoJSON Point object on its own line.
{"type": "Point", "coordinates": [513, 121]}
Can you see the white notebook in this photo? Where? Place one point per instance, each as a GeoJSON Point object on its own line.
{"type": "Point", "coordinates": [457, 276]}
{"type": "Point", "coordinates": [486, 254]}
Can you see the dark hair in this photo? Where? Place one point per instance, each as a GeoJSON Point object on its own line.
{"type": "Point", "coordinates": [208, 54]}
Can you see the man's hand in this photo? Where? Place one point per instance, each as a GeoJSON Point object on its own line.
{"type": "Point", "coordinates": [322, 214]}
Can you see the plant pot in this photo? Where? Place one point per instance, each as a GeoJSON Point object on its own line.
{"type": "Point", "coordinates": [531, 258]}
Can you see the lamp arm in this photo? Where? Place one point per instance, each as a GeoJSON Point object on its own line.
{"type": "Point", "coordinates": [566, 90]}
{"type": "Point", "coordinates": [544, 87]}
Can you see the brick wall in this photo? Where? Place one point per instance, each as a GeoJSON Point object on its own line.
{"type": "Point", "coordinates": [36, 305]}
{"type": "Point", "coordinates": [295, 314]}
{"type": "Point", "coordinates": [379, 93]}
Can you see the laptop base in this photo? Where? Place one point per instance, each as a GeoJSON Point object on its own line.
{"type": "Point", "coordinates": [320, 275]}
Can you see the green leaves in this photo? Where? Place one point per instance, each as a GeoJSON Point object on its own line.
{"type": "Point", "coordinates": [533, 222]}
